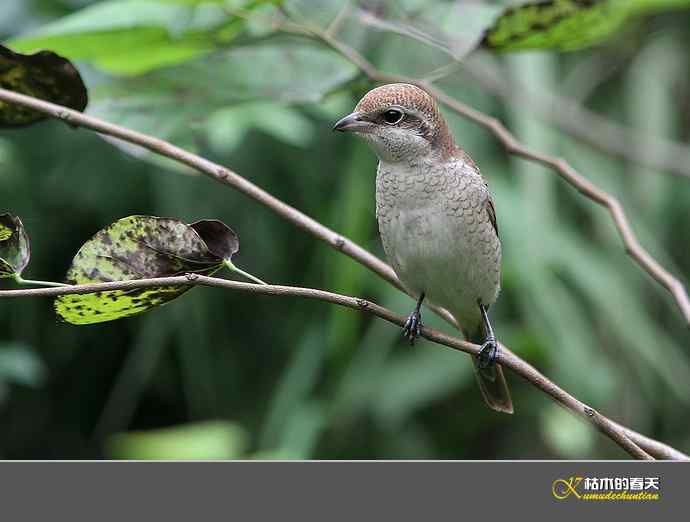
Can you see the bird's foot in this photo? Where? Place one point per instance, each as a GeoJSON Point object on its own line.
{"type": "Point", "coordinates": [488, 354]}
{"type": "Point", "coordinates": [413, 327]}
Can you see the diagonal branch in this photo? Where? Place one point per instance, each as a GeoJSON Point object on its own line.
{"type": "Point", "coordinates": [630, 441]}
{"type": "Point", "coordinates": [558, 165]}
{"type": "Point", "coordinates": [586, 126]}
{"type": "Point", "coordinates": [218, 173]}
{"type": "Point", "coordinates": [634, 443]}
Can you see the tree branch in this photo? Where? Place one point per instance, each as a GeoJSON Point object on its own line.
{"type": "Point", "coordinates": [636, 445]}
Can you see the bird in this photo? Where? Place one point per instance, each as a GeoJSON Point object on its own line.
{"type": "Point", "coordinates": [436, 219]}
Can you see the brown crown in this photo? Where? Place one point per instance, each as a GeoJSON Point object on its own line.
{"type": "Point", "coordinates": [410, 97]}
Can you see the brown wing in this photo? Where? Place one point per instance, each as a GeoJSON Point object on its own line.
{"type": "Point", "coordinates": [491, 210]}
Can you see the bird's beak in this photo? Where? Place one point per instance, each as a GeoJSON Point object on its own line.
{"type": "Point", "coordinates": [353, 123]}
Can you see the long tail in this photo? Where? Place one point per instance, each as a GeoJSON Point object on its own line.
{"type": "Point", "coordinates": [492, 383]}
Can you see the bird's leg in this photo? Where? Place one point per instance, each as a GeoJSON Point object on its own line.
{"type": "Point", "coordinates": [488, 353]}
{"type": "Point", "coordinates": [413, 325]}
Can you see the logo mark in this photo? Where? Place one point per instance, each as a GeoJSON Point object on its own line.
{"type": "Point", "coordinates": [562, 488]}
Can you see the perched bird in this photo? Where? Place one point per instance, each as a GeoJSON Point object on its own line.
{"type": "Point", "coordinates": [436, 219]}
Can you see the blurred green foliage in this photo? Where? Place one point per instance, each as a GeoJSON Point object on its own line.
{"type": "Point", "coordinates": [219, 374]}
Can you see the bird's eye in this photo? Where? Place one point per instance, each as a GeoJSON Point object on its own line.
{"type": "Point", "coordinates": [393, 116]}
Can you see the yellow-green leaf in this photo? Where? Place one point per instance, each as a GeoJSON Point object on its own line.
{"type": "Point", "coordinates": [15, 249]}
{"type": "Point", "coordinates": [200, 441]}
{"type": "Point", "coordinates": [141, 247]}
{"type": "Point", "coordinates": [44, 75]}
{"type": "Point", "coordinates": [557, 24]}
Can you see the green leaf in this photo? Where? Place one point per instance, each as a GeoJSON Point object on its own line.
{"type": "Point", "coordinates": [567, 24]}
{"type": "Point", "coordinates": [130, 37]}
{"type": "Point", "coordinates": [15, 248]}
{"type": "Point", "coordinates": [200, 441]}
{"type": "Point", "coordinates": [112, 50]}
{"type": "Point", "coordinates": [44, 75]}
{"type": "Point", "coordinates": [141, 247]}
{"type": "Point", "coordinates": [557, 24]}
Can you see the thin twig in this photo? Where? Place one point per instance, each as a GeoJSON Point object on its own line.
{"type": "Point", "coordinates": [558, 165]}
{"type": "Point", "coordinates": [620, 435]}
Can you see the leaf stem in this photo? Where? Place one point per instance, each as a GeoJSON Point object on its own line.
{"type": "Point", "coordinates": [22, 281]}
{"type": "Point", "coordinates": [249, 276]}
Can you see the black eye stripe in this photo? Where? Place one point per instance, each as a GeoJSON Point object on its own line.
{"type": "Point", "coordinates": [393, 116]}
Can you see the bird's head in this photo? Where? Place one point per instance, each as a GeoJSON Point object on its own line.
{"type": "Point", "coordinates": [401, 122]}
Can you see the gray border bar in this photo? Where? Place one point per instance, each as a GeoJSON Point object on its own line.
{"type": "Point", "coordinates": [353, 491]}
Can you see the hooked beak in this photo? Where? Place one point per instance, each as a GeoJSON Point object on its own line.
{"type": "Point", "coordinates": [353, 123]}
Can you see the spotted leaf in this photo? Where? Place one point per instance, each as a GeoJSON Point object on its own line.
{"type": "Point", "coordinates": [44, 75]}
{"type": "Point", "coordinates": [557, 24]}
{"type": "Point", "coordinates": [15, 249]}
{"type": "Point", "coordinates": [141, 247]}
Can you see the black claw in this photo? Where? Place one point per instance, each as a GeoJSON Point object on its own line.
{"type": "Point", "coordinates": [488, 354]}
{"type": "Point", "coordinates": [413, 327]}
